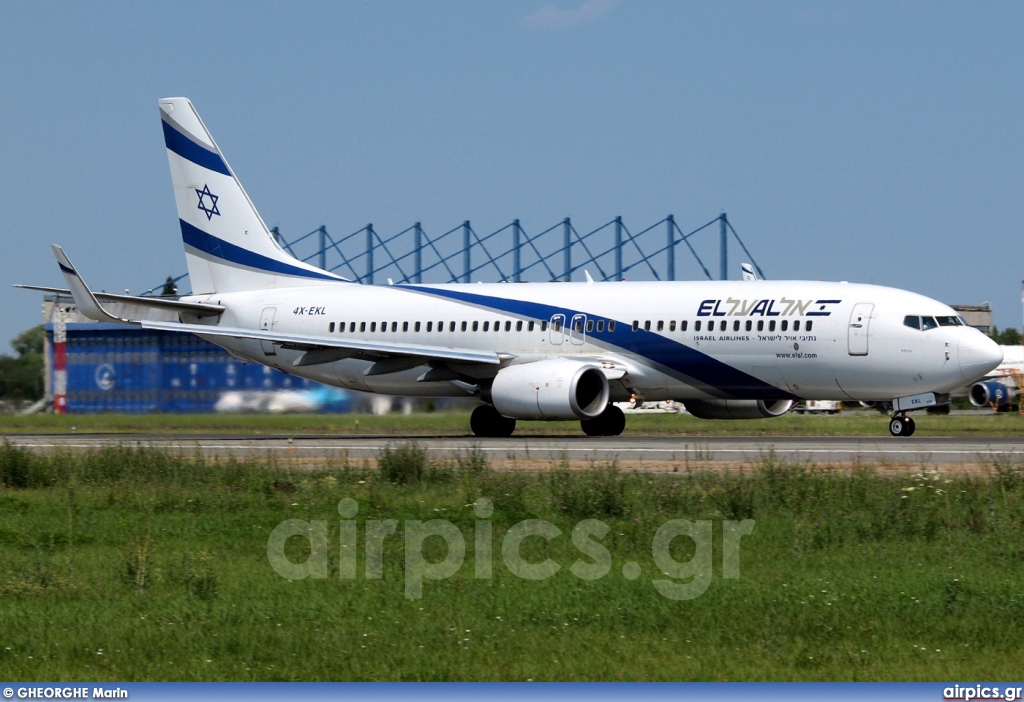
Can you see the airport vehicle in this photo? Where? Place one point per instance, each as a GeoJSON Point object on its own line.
{"type": "Point", "coordinates": [552, 351]}
{"type": "Point", "coordinates": [819, 407]}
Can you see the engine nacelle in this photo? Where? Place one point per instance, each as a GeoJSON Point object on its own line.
{"type": "Point", "coordinates": [993, 392]}
{"type": "Point", "coordinates": [557, 389]}
{"type": "Point", "coordinates": [738, 409]}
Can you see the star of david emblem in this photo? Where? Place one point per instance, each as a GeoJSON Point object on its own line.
{"type": "Point", "coordinates": [210, 209]}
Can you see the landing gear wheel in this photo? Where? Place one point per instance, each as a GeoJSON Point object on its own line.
{"type": "Point", "coordinates": [611, 422]}
{"type": "Point", "coordinates": [901, 426]}
{"type": "Point", "coordinates": [487, 422]}
{"type": "Point", "coordinates": [896, 426]}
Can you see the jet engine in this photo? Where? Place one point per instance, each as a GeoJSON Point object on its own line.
{"type": "Point", "coordinates": [993, 392]}
{"type": "Point", "coordinates": [560, 388]}
{"type": "Point", "coordinates": [738, 409]}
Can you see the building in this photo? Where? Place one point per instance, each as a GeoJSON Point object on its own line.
{"type": "Point", "coordinates": [977, 316]}
{"type": "Point", "coordinates": [118, 368]}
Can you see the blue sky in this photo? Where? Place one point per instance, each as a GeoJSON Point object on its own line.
{"type": "Point", "coordinates": [871, 141]}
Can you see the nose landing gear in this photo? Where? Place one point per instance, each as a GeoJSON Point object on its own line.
{"type": "Point", "coordinates": [901, 425]}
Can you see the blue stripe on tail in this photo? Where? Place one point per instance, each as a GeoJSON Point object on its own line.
{"type": "Point", "coordinates": [188, 149]}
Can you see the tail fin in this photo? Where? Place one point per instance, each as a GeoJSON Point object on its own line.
{"type": "Point", "coordinates": [227, 245]}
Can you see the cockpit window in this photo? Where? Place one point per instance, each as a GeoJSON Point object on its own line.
{"type": "Point", "coordinates": [962, 322]}
{"type": "Point", "coordinates": [912, 321]}
{"type": "Point", "coordinates": [947, 321]}
{"type": "Point", "coordinates": [928, 323]}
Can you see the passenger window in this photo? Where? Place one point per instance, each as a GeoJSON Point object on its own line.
{"type": "Point", "coordinates": [796, 325]}
{"type": "Point", "coordinates": [451, 326]}
{"type": "Point", "coordinates": [577, 325]}
{"type": "Point", "coordinates": [785, 324]}
{"type": "Point", "coordinates": [330, 327]}
{"type": "Point", "coordinates": [486, 326]}
{"type": "Point", "coordinates": [750, 325]}
{"type": "Point", "coordinates": [928, 323]}
{"type": "Point", "coordinates": [543, 326]}
{"type": "Point", "coordinates": [636, 325]}
{"type": "Point", "coordinates": [508, 326]}
{"type": "Point", "coordinates": [430, 326]}
{"type": "Point", "coordinates": [405, 326]}
{"type": "Point", "coordinates": [590, 325]}
{"type": "Point", "coordinates": [464, 326]}
{"type": "Point", "coordinates": [661, 325]}
{"type": "Point", "coordinates": [696, 325]}
{"type": "Point", "coordinates": [647, 325]}
{"type": "Point", "coordinates": [519, 325]}
{"type": "Point", "coordinates": [556, 327]}
{"type": "Point", "coordinates": [736, 325]}
{"type": "Point", "coordinates": [417, 327]}
{"type": "Point", "coordinates": [682, 325]}
{"type": "Point", "coordinates": [373, 326]}
{"type": "Point", "coordinates": [672, 326]}
{"type": "Point", "coordinates": [809, 323]}
{"type": "Point", "coordinates": [760, 325]}
{"type": "Point", "coordinates": [912, 321]}
{"type": "Point", "coordinates": [600, 325]}
{"type": "Point", "coordinates": [394, 326]}
{"type": "Point", "coordinates": [771, 325]}
{"type": "Point", "coordinates": [611, 325]}
{"type": "Point", "coordinates": [476, 325]}
{"type": "Point", "coordinates": [362, 326]}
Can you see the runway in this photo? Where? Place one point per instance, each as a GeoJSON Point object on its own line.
{"type": "Point", "coordinates": [654, 453]}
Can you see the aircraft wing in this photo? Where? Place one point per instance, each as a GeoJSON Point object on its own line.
{"type": "Point", "coordinates": [326, 350]}
{"type": "Point", "coordinates": [88, 302]}
{"type": "Point", "coordinates": [201, 309]}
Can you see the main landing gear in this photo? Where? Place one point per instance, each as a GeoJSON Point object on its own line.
{"type": "Point", "coordinates": [489, 423]}
{"type": "Point", "coordinates": [901, 425]}
{"type": "Point", "coordinates": [611, 422]}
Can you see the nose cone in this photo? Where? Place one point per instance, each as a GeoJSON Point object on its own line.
{"type": "Point", "coordinates": [978, 355]}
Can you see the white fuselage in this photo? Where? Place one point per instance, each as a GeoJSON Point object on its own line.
{"type": "Point", "coordinates": [675, 340]}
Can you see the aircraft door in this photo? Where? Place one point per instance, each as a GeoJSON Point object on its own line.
{"type": "Point", "coordinates": [556, 332]}
{"type": "Point", "coordinates": [578, 329]}
{"type": "Point", "coordinates": [267, 324]}
{"type": "Point", "coordinates": [860, 319]}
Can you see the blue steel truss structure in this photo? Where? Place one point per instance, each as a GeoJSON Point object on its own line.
{"type": "Point", "coordinates": [609, 252]}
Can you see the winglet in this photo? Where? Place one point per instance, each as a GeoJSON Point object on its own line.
{"type": "Point", "coordinates": [84, 299]}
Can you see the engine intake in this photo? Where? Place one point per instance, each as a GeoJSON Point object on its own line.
{"type": "Point", "coordinates": [992, 392]}
{"type": "Point", "coordinates": [738, 409]}
{"type": "Point", "coordinates": [560, 388]}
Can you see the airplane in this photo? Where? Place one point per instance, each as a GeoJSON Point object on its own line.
{"type": "Point", "coordinates": [1000, 388]}
{"type": "Point", "coordinates": [540, 351]}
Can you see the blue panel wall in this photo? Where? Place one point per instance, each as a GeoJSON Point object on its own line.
{"type": "Point", "coordinates": [112, 368]}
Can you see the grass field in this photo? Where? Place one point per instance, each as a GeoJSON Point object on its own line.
{"type": "Point", "coordinates": [849, 423]}
{"type": "Point", "coordinates": [135, 564]}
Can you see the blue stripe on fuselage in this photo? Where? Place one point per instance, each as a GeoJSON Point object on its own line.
{"type": "Point", "coordinates": [188, 149]}
{"type": "Point", "coordinates": [674, 358]}
{"type": "Point", "coordinates": [231, 253]}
